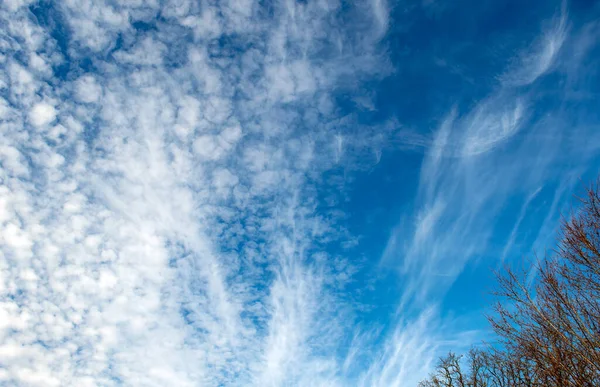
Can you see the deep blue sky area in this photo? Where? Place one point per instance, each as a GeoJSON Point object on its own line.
{"type": "Point", "coordinates": [279, 193]}
{"type": "Point", "coordinates": [454, 54]}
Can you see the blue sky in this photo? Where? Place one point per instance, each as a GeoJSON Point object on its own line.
{"type": "Point", "coordinates": [296, 193]}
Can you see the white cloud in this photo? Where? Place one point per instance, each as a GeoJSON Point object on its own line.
{"type": "Point", "coordinates": [207, 147]}
{"type": "Point", "coordinates": [224, 181]}
{"type": "Point", "coordinates": [492, 123]}
{"type": "Point", "coordinates": [538, 60]}
{"type": "Point", "coordinates": [87, 89]}
{"type": "Point", "coordinates": [42, 114]}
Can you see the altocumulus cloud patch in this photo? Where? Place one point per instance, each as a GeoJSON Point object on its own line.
{"type": "Point", "coordinates": [275, 193]}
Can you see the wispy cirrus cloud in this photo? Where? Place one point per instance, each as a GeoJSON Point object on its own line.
{"type": "Point", "coordinates": [413, 347]}
{"type": "Point", "coordinates": [539, 58]}
{"type": "Point", "coordinates": [509, 147]}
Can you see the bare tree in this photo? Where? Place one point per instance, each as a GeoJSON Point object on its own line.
{"type": "Point", "coordinates": [548, 328]}
{"type": "Point", "coordinates": [555, 322]}
{"type": "Point", "coordinates": [483, 368]}
{"type": "Point", "coordinates": [448, 373]}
